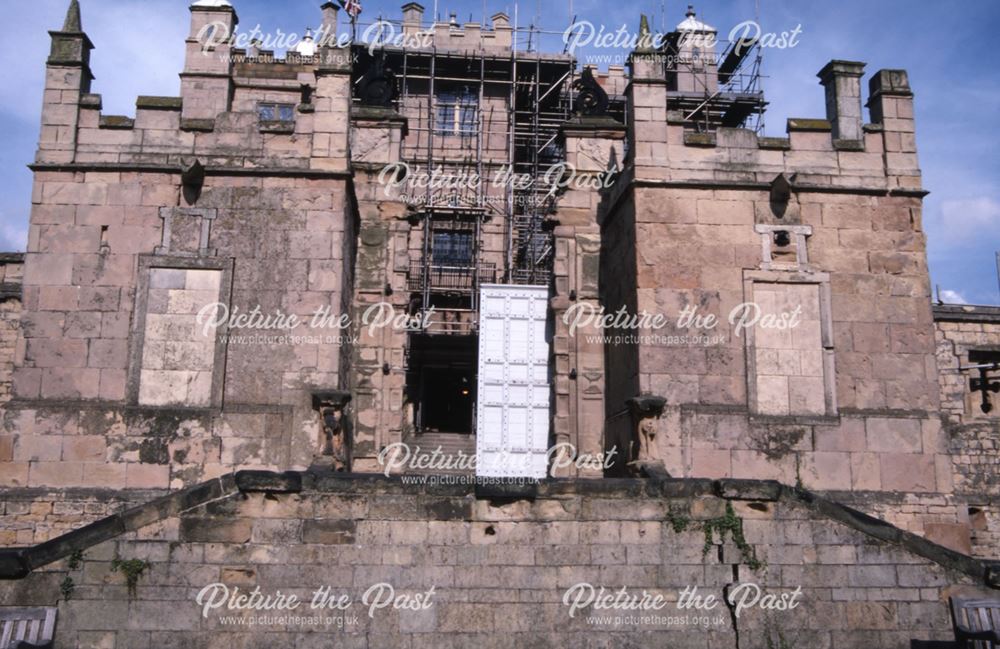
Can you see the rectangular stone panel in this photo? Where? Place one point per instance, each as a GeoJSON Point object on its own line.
{"type": "Point", "coordinates": [178, 355]}
{"type": "Point", "coordinates": [787, 351]}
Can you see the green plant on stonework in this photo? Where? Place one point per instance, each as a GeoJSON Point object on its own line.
{"type": "Point", "coordinates": [728, 523]}
{"type": "Point", "coordinates": [132, 569]}
{"type": "Point", "coordinates": [770, 631]}
{"type": "Point", "coordinates": [733, 525]}
{"type": "Point", "coordinates": [678, 521]}
{"type": "Point", "coordinates": [75, 559]}
{"type": "Point", "coordinates": [67, 587]}
{"type": "Point", "coordinates": [782, 641]}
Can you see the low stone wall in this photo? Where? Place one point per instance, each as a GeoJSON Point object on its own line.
{"type": "Point", "coordinates": [32, 516]}
{"type": "Point", "coordinates": [493, 570]}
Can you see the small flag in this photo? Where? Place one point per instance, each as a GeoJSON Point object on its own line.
{"type": "Point", "coordinates": [352, 7]}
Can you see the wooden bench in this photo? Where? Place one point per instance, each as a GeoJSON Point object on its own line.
{"type": "Point", "coordinates": [976, 623]}
{"type": "Point", "coordinates": [35, 626]}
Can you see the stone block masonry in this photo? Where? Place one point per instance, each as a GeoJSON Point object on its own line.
{"type": "Point", "coordinates": [11, 275]}
{"type": "Point", "coordinates": [497, 573]}
{"type": "Point", "coordinates": [122, 422]}
{"type": "Point", "coordinates": [967, 336]}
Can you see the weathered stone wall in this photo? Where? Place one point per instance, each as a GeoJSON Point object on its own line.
{"type": "Point", "coordinates": [984, 521]}
{"type": "Point", "coordinates": [109, 390]}
{"type": "Point", "coordinates": [287, 236]}
{"type": "Point", "coordinates": [499, 571]}
{"type": "Point", "coordinates": [960, 330]}
{"type": "Point", "coordinates": [708, 210]}
{"type": "Point", "coordinates": [32, 516]}
{"type": "Point", "coordinates": [11, 271]}
{"type": "Point", "coordinates": [974, 435]}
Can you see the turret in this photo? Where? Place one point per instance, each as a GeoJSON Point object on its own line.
{"type": "Point", "coordinates": [694, 62]}
{"type": "Point", "coordinates": [67, 77]}
{"type": "Point", "coordinates": [206, 83]}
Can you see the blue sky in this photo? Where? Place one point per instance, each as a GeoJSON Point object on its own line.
{"type": "Point", "coordinates": [945, 46]}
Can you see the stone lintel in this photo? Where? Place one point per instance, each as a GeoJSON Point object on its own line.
{"type": "Point", "coordinates": [330, 398]}
{"type": "Point", "coordinates": [594, 126]}
{"type": "Point", "coordinates": [92, 101]}
{"type": "Point", "coordinates": [198, 125]}
{"type": "Point", "coordinates": [806, 124]}
{"type": "Point", "coordinates": [700, 139]}
{"type": "Point", "coordinates": [116, 122]}
{"type": "Point", "coordinates": [159, 103]}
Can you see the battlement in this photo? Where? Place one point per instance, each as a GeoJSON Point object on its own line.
{"type": "Point", "coordinates": [243, 107]}
{"type": "Point", "coordinates": [837, 150]}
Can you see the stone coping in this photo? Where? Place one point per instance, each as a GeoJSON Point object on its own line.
{"type": "Point", "coordinates": [210, 169]}
{"type": "Point", "coordinates": [146, 102]}
{"type": "Point", "coordinates": [10, 290]}
{"type": "Point", "coordinates": [17, 563]}
{"type": "Point", "coordinates": [966, 313]}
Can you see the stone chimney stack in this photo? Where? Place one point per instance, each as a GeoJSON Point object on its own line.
{"type": "Point", "coordinates": [328, 35]}
{"type": "Point", "coordinates": [503, 32]}
{"type": "Point", "coordinates": [206, 83]}
{"type": "Point", "coordinates": [413, 17]}
{"type": "Point", "coordinates": [67, 78]}
{"type": "Point", "coordinates": [890, 101]}
{"type": "Point", "coordinates": [413, 13]}
{"type": "Point", "coordinates": [842, 81]}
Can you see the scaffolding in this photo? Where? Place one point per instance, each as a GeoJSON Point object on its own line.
{"type": "Point", "coordinates": [718, 86]}
{"type": "Point", "coordinates": [488, 118]}
{"type": "Point", "coordinates": [497, 167]}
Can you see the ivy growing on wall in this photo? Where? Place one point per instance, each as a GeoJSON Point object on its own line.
{"type": "Point", "coordinates": [728, 524]}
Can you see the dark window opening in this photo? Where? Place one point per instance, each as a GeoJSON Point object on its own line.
{"type": "Point", "coordinates": [977, 519]}
{"type": "Point", "coordinates": [272, 112]}
{"type": "Point", "coordinates": [452, 248]}
{"type": "Point", "coordinates": [984, 356]}
{"type": "Point", "coordinates": [441, 383]}
{"type": "Point", "coordinates": [451, 301]}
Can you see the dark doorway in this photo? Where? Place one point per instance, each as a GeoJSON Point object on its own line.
{"type": "Point", "coordinates": [441, 382]}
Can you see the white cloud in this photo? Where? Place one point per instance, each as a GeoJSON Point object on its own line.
{"type": "Point", "coordinates": [952, 297]}
{"type": "Point", "coordinates": [13, 235]}
{"type": "Point", "coordinates": [967, 219]}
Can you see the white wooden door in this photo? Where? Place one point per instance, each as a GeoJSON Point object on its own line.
{"type": "Point", "coordinates": [512, 436]}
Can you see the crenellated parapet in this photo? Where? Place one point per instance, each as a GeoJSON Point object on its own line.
{"type": "Point", "coordinates": [835, 151]}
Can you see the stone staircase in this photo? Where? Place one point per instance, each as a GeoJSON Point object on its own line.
{"type": "Point", "coordinates": [455, 448]}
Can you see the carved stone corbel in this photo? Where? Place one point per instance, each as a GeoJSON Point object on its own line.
{"type": "Point", "coordinates": [331, 404]}
{"type": "Point", "coordinates": [644, 410]}
{"type": "Point", "coordinates": [192, 179]}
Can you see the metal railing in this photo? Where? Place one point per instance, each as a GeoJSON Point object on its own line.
{"type": "Point", "coordinates": [447, 277]}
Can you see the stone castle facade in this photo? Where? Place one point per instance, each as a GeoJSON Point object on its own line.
{"type": "Point", "coordinates": [263, 186]}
